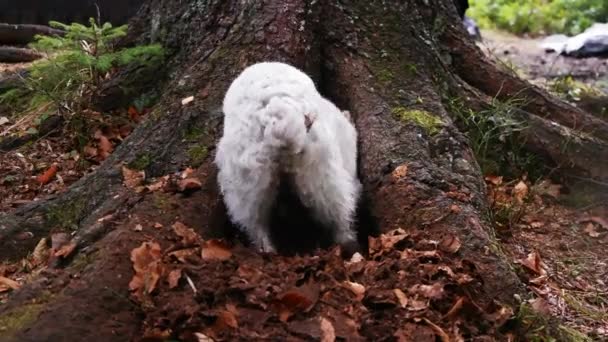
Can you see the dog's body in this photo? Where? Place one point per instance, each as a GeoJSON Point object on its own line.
{"type": "Point", "coordinates": [276, 123]}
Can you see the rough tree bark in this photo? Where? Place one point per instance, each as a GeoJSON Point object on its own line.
{"type": "Point", "coordinates": [387, 62]}
{"type": "Point", "coordinates": [23, 34]}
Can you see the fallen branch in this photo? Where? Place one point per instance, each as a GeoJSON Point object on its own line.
{"type": "Point", "coordinates": [9, 54]}
{"type": "Point", "coordinates": [23, 34]}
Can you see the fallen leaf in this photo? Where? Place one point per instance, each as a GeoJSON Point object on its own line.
{"type": "Point", "coordinates": [591, 231]}
{"type": "Point", "coordinates": [450, 244]}
{"type": "Point", "coordinates": [66, 250]}
{"type": "Point", "coordinates": [187, 100]}
{"type": "Point", "coordinates": [188, 235]}
{"type": "Point", "coordinates": [105, 147]}
{"type": "Point", "coordinates": [495, 180]}
{"type": "Point", "coordinates": [133, 114]}
{"type": "Point", "coordinates": [434, 291]}
{"type": "Point", "coordinates": [159, 184]}
{"type": "Point", "coordinates": [357, 257]}
{"type": "Point", "coordinates": [520, 191]}
{"type": "Point", "coordinates": [187, 255]}
{"type": "Point", "coordinates": [132, 178]}
{"type": "Point", "coordinates": [225, 319]}
{"type": "Point", "coordinates": [387, 241]}
{"type": "Point", "coordinates": [546, 187]}
{"type": "Point", "coordinates": [187, 173]}
{"type": "Point", "coordinates": [328, 333]}
{"type": "Point", "coordinates": [400, 172]}
{"type": "Point", "coordinates": [158, 225]}
{"type": "Point", "coordinates": [533, 263]}
{"type": "Point", "coordinates": [9, 282]}
{"type": "Point", "coordinates": [356, 288]}
{"type": "Point", "coordinates": [138, 228]}
{"type": "Point", "coordinates": [203, 338]}
{"type": "Point", "coordinates": [215, 250]}
{"type": "Point", "coordinates": [41, 252]}
{"type": "Point", "coordinates": [174, 277]}
{"type": "Point", "coordinates": [48, 175]}
{"type": "Point", "coordinates": [3, 120]}
{"type": "Point", "coordinates": [596, 219]}
{"type": "Point", "coordinates": [540, 305]}
{"type": "Point", "coordinates": [189, 184]}
{"type": "Point", "coordinates": [148, 268]}
{"type": "Point", "coordinates": [437, 329]}
{"type": "Point", "coordinates": [299, 299]}
{"type": "Point", "coordinates": [401, 297]}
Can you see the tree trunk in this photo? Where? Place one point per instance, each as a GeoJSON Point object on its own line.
{"type": "Point", "coordinates": [394, 66]}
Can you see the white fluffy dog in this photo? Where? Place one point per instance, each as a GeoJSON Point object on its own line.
{"type": "Point", "coordinates": [277, 122]}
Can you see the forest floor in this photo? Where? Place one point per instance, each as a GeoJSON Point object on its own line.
{"type": "Point", "coordinates": [163, 281]}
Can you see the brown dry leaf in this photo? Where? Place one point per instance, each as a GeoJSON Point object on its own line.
{"type": "Point", "coordinates": [203, 338]}
{"type": "Point", "coordinates": [533, 263]}
{"type": "Point", "coordinates": [187, 255]}
{"type": "Point", "coordinates": [215, 250]}
{"type": "Point", "coordinates": [159, 184]}
{"type": "Point", "coordinates": [541, 306]}
{"type": "Point", "coordinates": [596, 219]}
{"type": "Point", "coordinates": [65, 250]}
{"type": "Point", "coordinates": [500, 316]}
{"type": "Point", "coordinates": [188, 235]}
{"type": "Point", "coordinates": [189, 184]}
{"type": "Point", "coordinates": [174, 277]}
{"type": "Point", "coordinates": [48, 175]}
{"type": "Point", "coordinates": [434, 291]}
{"type": "Point", "coordinates": [450, 244]}
{"type": "Point", "coordinates": [417, 304]}
{"type": "Point", "coordinates": [328, 333]}
{"type": "Point", "coordinates": [41, 252]}
{"type": "Point", "coordinates": [400, 172]}
{"type": "Point", "coordinates": [187, 173]}
{"type": "Point", "coordinates": [437, 329]}
{"type": "Point", "coordinates": [148, 268]}
{"type": "Point", "coordinates": [225, 319]}
{"type": "Point", "coordinates": [401, 297]}
{"type": "Point", "coordinates": [9, 283]}
{"type": "Point", "coordinates": [299, 299]}
{"type": "Point", "coordinates": [132, 178]}
{"type": "Point", "coordinates": [105, 147]}
{"type": "Point", "coordinates": [520, 191]}
{"type": "Point", "coordinates": [158, 225]}
{"type": "Point", "coordinates": [386, 241]}
{"type": "Point", "coordinates": [495, 180]}
{"type": "Point", "coordinates": [591, 231]}
{"type": "Point", "coordinates": [357, 289]}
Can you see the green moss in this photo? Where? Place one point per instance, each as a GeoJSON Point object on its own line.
{"type": "Point", "coordinates": [538, 327]}
{"type": "Point", "coordinates": [67, 215]}
{"type": "Point", "coordinates": [21, 317]}
{"type": "Point", "coordinates": [141, 162]}
{"type": "Point", "coordinates": [194, 134]}
{"type": "Point", "coordinates": [82, 260]}
{"type": "Point", "coordinates": [197, 154]}
{"type": "Point", "coordinates": [430, 123]}
{"type": "Point", "coordinates": [385, 75]}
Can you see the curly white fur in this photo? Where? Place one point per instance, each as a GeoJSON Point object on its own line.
{"type": "Point", "coordinates": [275, 121]}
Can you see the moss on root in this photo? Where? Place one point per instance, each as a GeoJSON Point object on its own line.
{"type": "Point", "coordinates": [67, 215]}
{"type": "Point", "coordinates": [427, 121]}
{"type": "Point", "coordinates": [20, 317]}
{"type": "Point", "coordinates": [197, 154]}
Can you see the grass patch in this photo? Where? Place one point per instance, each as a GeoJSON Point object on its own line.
{"type": "Point", "coordinates": [495, 137]}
